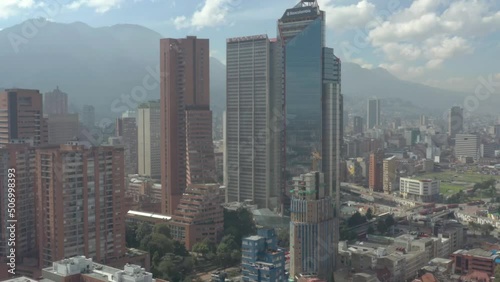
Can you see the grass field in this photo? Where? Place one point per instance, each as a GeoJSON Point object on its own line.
{"type": "Point", "coordinates": [462, 181]}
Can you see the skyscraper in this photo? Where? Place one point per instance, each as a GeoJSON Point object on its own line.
{"type": "Point", "coordinates": [312, 246]}
{"type": "Point", "coordinates": [373, 113]}
{"type": "Point", "coordinates": [375, 179]}
{"type": "Point", "coordinates": [22, 117]}
{"type": "Point", "coordinates": [252, 122]}
{"type": "Point", "coordinates": [55, 102]}
{"type": "Point", "coordinates": [88, 116]}
{"type": "Point", "coordinates": [127, 130]}
{"type": "Point", "coordinates": [187, 155]}
{"type": "Point", "coordinates": [79, 210]}
{"type": "Point", "coordinates": [455, 121]}
{"type": "Point", "coordinates": [357, 125]}
{"type": "Point", "coordinates": [17, 163]}
{"type": "Point", "coordinates": [62, 128]}
{"type": "Point", "coordinates": [148, 139]}
{"type": "Point", "coordinates": [467, 145]}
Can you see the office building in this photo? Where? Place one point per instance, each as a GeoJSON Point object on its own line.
{"type": "Point", "coordinates": [17, 163]}
{"type": "Point", "coordinates": [375, 177]}
{"type": "Point", "coordinates": [455, 121]}
{"type": "Point", "coordinates": [390, 175]}
{"type": "Point", "coordinates": [88, 116]}
{"type": "Point", "coordinates": [126, 128]}
{"type": "Point", "coordinates": [467, 261]}
{"type": "Point", "coordinates": [22, 117]}
{"type": "Point", "coordinates": [252, 122]}
{"type": "Point", "coordinates": [373, 113]}
{"type": "Point", "coordinates": [199, 215]}
{"type": "Point", "coordinates": [187, 153]}
{"type": "Point", "coordinates": [261, 259]}
{"type": "Point", "coordinates": [79, 210]}
{"type": "Point", "coordinates": [312, 224]}
{"type": "Point", "coordinates": [467, 145]}
{"type": "Point", "coordinates": [422, 190]}
{"type": "Point", "coordinates": [55, 102]}
{"type": "Point", "coordinates": [357, 125]}
{"type": "Point", "coordinates": [148, 139]}
{"type": "Point", "coordinates": [62, 128]}
{"type": "Point", "coordinates": [412, 136]}
{"type": "Point", "coordinates": [423, 120]}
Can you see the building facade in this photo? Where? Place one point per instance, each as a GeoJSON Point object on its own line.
{"type": "Point", "coordinates": [252, 124]}
{"type": "Point", "coordinates": [375, 177]}
{"type": "Point", "coordinates": [62, 128]}
{"type": "Point", "coordinates": [261, 259]}
{"type": "Point", "coordinates": [55, 102]}
{"type": "Point", "coordinates": [17, 163]}
{"type": "Point", "coordinates": [88, 116]}
{"type": "Point", "coordinates": [357, 125]}
{"type": "Point", "coordinates": [79, 210]}
{"type": "Point", "coordinates": [187, 153]}
{"type": "Point", "coordinates": [148, 139]}
{"type": "Point", "coordinates": [127, 130]}
{"type": "Point", "coordinates": [373, 114]}
{"type": "Point", "coordinates": [21, 114]}
{"type": "Point", "coordinates": [455, 121]}
{"type": "Point", "coordinates": [390, 175]}
{"type": "Point", "coordinates": [423, 190]}
{"type": "Point", "coordinates": [312, 249]}
{"type": "Point", "coordinates": [467, 145]}
{"type": "Point", "coordinates": [199, 215]}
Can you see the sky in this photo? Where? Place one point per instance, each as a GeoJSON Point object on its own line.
{"type": "Point", "coordinates": [450, 44]}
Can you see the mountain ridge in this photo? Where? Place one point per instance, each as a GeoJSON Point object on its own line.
{"type": "Point", "coordinates": [102, 64]}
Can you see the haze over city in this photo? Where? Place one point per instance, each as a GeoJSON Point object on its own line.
{"type": "Point", "coordinates": [233, 140]}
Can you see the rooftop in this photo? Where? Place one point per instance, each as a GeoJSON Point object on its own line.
{"type": "Point", "coordinates": [476, 253]}
{"type": "Point", "coordinates": [151, 215]}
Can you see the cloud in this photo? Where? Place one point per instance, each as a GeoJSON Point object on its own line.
{"type": "Point", "coordinates": [345, 17]}
{"type": "Point", "coordinates": [100, 6]}
{"type": "Point", "coordinates": [428, 33]}
{"type": "Point", "coordinates": [211, 14]}
{"type": "Point", "coordinates": [10, 8]}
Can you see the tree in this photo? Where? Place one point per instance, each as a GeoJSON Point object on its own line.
{"type": "Point", "coordinates": [201, 248]}
{"type": "Point", "coordinates": [160, 243]}
{"type": "Point", "coordinates": [369, 214]}
{"type": "Point", "coordinates": [239, 223]}
{"type": "Point", "coordinates": [356, 219]}
{"type": "Point", "coordinates": [497, 273]}
{"type": "Point", "coordinates": [284, 237]}
{"type": "Point", "coordinates": [162, 228]}
{"type": "Point", "coordinates": [130, 236]}
{"type": "Point", "coordinates": [389, 221]}
{"type": "Point", "coordinates": [382, 226]}
{"type": "Point", "coordinates": [370, 230]}
{"type": "Point", "coordinates": [486, 229]}
{"type": "Point", "coordinates": [142, 231]}
{"type": "Point", "coordinates": [473, 226]}
{"type": "Point", "coordinates": [179, 249]}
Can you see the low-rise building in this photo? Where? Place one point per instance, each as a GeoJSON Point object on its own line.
{"type": "Point", "coordinates": [466, 261]}
{"type": "Point", "coordinates": [261, 260]}
{"type": "Point", "coordinates": [82, 269]}
{"type": "Point", "coordinates": [422, 190]}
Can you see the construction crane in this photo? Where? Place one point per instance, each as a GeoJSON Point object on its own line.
{"type": "Point", "coordinates": [316, 157]}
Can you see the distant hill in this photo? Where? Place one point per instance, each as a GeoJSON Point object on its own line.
{"type": "Point", "coordinates": [99, 65]}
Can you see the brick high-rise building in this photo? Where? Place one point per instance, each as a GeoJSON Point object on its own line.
{"type": "Point", "coordinates": [21, 117]}
{"type": "Point", "coordinates": [187, 154]}
{"type": "Point", "coordinates": [375, 178]}
{"type": "Point", "coordinates": [126, 128]}
{"type": "Point", "coordinates": [199, 215]}
{"type": "Point", "coordinates": [79, 210]}
{"type": "Point", "coordinates": [17, 163]}
{"type": "Point", "coordinates": [55, 102]}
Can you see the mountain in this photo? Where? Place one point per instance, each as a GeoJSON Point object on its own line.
{"type": "Point", "coordinates": [105, 66]}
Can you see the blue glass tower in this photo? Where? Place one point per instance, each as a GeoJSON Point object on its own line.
{"type": "Point", "coordinates": [261, 259]}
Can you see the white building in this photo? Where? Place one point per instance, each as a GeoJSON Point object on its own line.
{"type": "Point", "coordinates": [467, 145]}
{"type": "Point", "coordinates": [423, 190]}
